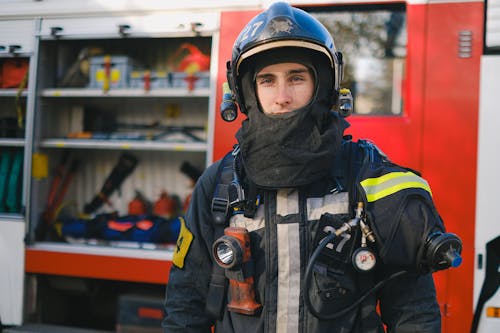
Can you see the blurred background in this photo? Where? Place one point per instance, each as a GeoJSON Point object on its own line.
{"type": "Point", "coordinates": [109, 112]}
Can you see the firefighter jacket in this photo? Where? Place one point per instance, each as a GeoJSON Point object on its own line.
{"type": "Point", "coordinates": [284, 232]}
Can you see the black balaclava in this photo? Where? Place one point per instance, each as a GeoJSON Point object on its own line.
{"type": "Point", "coordinates": [295, 148]}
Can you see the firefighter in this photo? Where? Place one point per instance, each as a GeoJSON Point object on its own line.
{"type": "Point", "coordinates": [300, 229]}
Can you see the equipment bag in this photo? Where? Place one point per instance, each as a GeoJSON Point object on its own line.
{"type": "Point", "coordinates": [13, 72]}
{"type": "Point", "coordinates": [5, 162]}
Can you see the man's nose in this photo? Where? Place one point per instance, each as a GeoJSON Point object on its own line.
{"type": "Point", "coordinates": [283, 95]}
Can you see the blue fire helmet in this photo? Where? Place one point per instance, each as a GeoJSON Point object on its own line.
{"type": "Point", "coordinates": [284, 27]}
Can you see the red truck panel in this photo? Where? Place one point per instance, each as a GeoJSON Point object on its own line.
{"type": "Point", "coordinates": [437, 133]}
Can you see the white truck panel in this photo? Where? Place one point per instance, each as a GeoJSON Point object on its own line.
{"type": "Point", "coordinates": [12, 273]}
{"type": "Point", "coordinates": [156, 24]}
{"type": "Point", "coordinates": [15, 33]}
{"type": "Point", "coordinates": [488, 180]}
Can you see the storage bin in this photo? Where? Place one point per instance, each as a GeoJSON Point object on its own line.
{"type": "Point", "coordinates": [117, 76]}
{"type": "Point", "coordinates": [13, 72]}
{"type": "Point", "coordinates": [139, 313]}
{"type": "Point", "coordinates": [195, 81]}
{"type": "Point", "coordinates": [148, 80]}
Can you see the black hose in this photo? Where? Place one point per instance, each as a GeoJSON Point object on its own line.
{"type": "Point", "coordinates": [307, 282]}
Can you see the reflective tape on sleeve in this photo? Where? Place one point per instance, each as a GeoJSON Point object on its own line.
{"type": "Point", "coordinates": [390, 183]}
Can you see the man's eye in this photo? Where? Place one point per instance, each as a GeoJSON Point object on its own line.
{"type": "Point", "coordinates": [297, 78]}
{"type": "Point", "coordinates": [264, 81]}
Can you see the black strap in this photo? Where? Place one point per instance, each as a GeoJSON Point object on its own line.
{"type": "Point", "coordinates": [364, 154]}
{"type": "Point", "coordinates": [217, 291]}
{"type": "Point", "coordinates": [216, 297]}
{"type": "Point", "coordinates": [220, 200]}
{"type": "Point", "coordinates": [359, 155]}
{"type": "Point", "coordinates": [353, 158]}
{"type": "Point", "coordinates": [251, 204]}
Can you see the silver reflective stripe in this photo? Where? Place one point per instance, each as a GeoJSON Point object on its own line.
{"type": "Point", "coordinates": [287, 320]}
{"type": "Point", "coordinates": [287, 202]}
{"type": "Point", "coordinates": [337, 203]}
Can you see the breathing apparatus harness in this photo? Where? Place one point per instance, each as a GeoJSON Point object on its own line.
{"type": "Point", "coordinates": [231, 249]}
{"type": "Point", "coordinates": [361, 256]}
{"type": "Point", "coordinates": [440, 251]}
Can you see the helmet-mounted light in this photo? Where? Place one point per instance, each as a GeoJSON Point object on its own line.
{"type": "Point", "coordinates": [345, 102]}
{"type": "Point", "coordinates": [228, 107]}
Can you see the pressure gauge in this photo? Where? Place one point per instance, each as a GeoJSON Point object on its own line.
{"type": "Point", "coordinates": [363, 259]}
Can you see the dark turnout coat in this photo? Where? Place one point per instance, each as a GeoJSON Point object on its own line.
{"type": "Point", "coordinates": [284, 232]}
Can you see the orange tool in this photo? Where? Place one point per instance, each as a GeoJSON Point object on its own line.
{"type": "Point", "coordinates": [232, 252]}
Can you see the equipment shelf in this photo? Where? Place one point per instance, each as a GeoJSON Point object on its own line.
{"type": "Point", "coordinates": [100, 262]}
{"type": "Point", "coordinates": [11, 217]}
{"type": "Point", "coordinates": [124, 144]}
{"type": "Point", "coordinates": [12, 93]}
{"type": "Point", "coordinates": [84, 92]}
{"type": "Point", "coordinates": [120, 249]}
{"type": "Point", "coordinates": [83, 130]}
{"type": "Point", "coordinates": [11, 142]}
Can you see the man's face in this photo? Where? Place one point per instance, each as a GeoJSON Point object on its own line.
{"type": "Point", "coordinates": [284, 87]}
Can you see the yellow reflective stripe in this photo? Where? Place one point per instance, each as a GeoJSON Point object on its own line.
{"type": "Point", "coordinates": [391, 190]}
{"type": "Point", "coordinates": [384, 178]}
{"type": "Point", "coordinates": [390, 183]}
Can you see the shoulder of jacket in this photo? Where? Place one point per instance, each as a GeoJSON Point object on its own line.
{"type": "Point", "coordinates": [208, 179]}
{"type": "Point", "coordinates": [389, 180]}
{"type": "Point", "coordinates": [210, 172]}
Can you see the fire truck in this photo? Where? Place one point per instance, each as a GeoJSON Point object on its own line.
{"type": "Point", "coordinates": [85, 86]}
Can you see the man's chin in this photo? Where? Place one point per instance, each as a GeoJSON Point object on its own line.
{"type": "Point", "coordinates": [281, 114]}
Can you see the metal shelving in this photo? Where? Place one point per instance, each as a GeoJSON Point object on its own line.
{"type": "Point", "coordinates": [12, 93]}
{"type": "Point", "coordinates": [124, 144]}
{"type": "Point", "coordinates": [7, 142]}
{"type": "Point", "coordinates": [126, 93]}
{"type": "Point", "coordinates": [63, 114]}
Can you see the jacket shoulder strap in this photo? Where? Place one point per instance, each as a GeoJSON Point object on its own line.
{"type": "Point", "coordinates": [359, 155]}
{"type": "Point", "coordinates": [220, 200]}
{"type": "Point", "coordinates": [216, 296]}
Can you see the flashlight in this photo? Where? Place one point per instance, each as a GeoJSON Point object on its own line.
{"type": "Point", "coordinates": [228, 252]}
{"type": "Point", "coordinates": [228, 108]}
{"type": "Point", "coordinates": [232, 252]}
{"type": "Point", "coordinates": [345, 102]}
